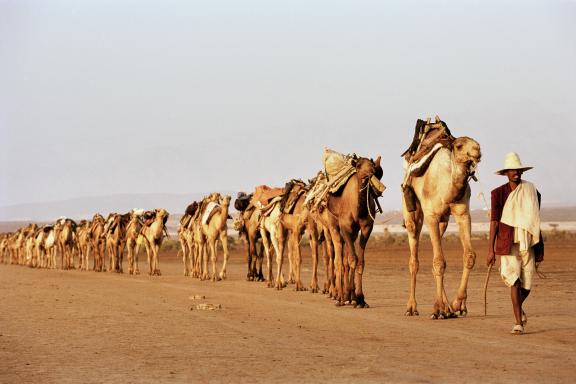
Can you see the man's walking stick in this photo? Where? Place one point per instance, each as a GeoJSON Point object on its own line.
{"type": "Point", "coordinates": [486, 288]}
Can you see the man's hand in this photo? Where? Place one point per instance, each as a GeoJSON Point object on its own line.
{"type": "Point", "coordinates": [491, 258]}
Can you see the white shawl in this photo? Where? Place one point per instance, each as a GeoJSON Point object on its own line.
{"type": "Point", "coordinates": [522, 212]}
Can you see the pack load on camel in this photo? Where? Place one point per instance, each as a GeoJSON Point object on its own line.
{"type": "Point", "coordinates": [263, 195]}
{"type": "Point", "coordinates": [429, 138]}
{"type": "Point", "coordinates": [338, 168]}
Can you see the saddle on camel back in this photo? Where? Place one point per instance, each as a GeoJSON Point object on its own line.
{"type": "Point", "coordinates": [188, 214]}
{"type": "Point", "coordinates": [292, 192]}
{"type": "Point", "coordinates": [428, 139]}
{"type": "Point", "coordinates": [263, 195]}
{"type": "Point", "coordinates": [338, 168]}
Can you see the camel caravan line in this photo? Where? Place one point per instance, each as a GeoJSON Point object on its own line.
{"type": "Point", "coordinates": [336, 209]}
{"type": "Point", "coordinates": [38, 247]}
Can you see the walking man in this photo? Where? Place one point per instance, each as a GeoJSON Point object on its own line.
{"type": "Point", "coordinates": [515, 234]}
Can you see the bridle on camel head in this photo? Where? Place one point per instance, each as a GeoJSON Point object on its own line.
{"type": "Point", "coordinates": [365, 182]}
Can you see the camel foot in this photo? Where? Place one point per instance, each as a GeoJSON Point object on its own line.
{"type": "Point", "coordinates": [339, 303]}
{"type": "Point", "coordinates": [411, 312]}
{"type": "Point", "coordinates": [442, 315]}
{"type": "Point", "coordinates": [269, 284]}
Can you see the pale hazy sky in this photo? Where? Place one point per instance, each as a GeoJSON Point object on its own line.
{"type": "Point", "coordinates": [104, 97]}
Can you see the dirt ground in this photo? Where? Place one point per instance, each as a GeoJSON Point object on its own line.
{"type": "Point", "coordinates": [86, 327]}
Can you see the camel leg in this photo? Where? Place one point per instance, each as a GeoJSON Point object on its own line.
{"type": "Point", "coordinates": [205, 250]}
{"type": "Point", "coordinates": [313, 239]}
{"type": "Point", "coordinates": [438, 267]}
{"type": "Point", "coordinates": [278, 242]}
{"type": "Point", "coordinates": [349, 265]}
{"type": "Point", "coordinates": [297, 261]}
{"type": "Point", "coordinates": [266, 244]}
{"type": "Point", "coordinates": [155, 254]}
{"type": "Point", "coordinates": [135, 256]}
{"type": "Point", "coordinates": [250, 248]}
{"type": "Point", "coordinates": [259, 262]}
{"type": "Point", "coordinates": [87, 258]}
{"type": "Point", "coordinates": [149, 259]}
{"type": "Point", "coordinates": [365, 231]}
{"type": "Point", "coordinates": [224, 241]}
{"type": "Point", "coordinates": [291, 263]}
{"type": "Point", "coordinates": [338, 267]}
{"type": "Point", "coordinates": [330, 285]}
{"type": "Point", "coordinates": [184, 259]}
{"type": "Point", "coordinates": [413, 223]}
{"type": "Point", "coordinates": [462, 216]}
{"type": "Point", "coordinates": [213, 255]}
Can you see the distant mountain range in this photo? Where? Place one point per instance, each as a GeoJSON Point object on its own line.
{"type": "Point", "coordinates": [86, 207]}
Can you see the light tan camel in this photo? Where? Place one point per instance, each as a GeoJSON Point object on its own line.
{"type": "Point", "coordinates": [186, 238]}
{"type": "Point", "coordinates": [274, 239]}
{"type": "Point", "coordinates": [133, 229]}
{"type": "Point", "coordinates": [293, 224]}
{"type": "Point", "coordinates": [200, 251]}
{"type": "Point", "coordinates": [45, 246]}
{"type": "Point", "coordinates": [443, 190]}
{"type": "Point", "coordinates": [66, 231]}
{"type": "Point", "coordinates": [98, 242]}
{"type": "Point", "coordinates": [153, 235]}
{"type": "Point", "coordinates": [351, 213]}
{"type": "Point", "coordinates": [84, 243]}
{"type": "Point", "coordinates": [217, 229]}
{"type": "Point", "coordinates": [319, 235]}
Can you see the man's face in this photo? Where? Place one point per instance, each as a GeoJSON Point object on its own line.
{"type": "Point", "coordinates": [514, 175]}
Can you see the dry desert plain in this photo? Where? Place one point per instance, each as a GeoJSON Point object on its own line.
{"type": "Point", "coordinates": [87, 327]}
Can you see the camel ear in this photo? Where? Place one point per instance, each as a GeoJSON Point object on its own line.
{"type": "Point", "coordinates": [377, 161]}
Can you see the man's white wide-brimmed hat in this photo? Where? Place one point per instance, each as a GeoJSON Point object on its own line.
{"type": "Point", "coordinates": [512, 161]}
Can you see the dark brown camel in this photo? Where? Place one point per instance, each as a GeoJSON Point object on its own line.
{"type": "Point", "coordinates": [350, 212]}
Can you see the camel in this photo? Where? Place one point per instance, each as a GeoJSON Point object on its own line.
{"type": "Point", "coordinates": [351, 211]}
{"type": "Point", "coordinates": [274, 234]}
{"type": "Point", "coordinates": [152, 234]}
{"type": "Point", "coordinates": [443, 190]}
{"type": "Point", "coordinates": [200, 252]}
{"type": "Point", "coordinates": [45, 245]}
{"type": "Point", "coordinates": [217, 229]}
{"type": "Point", "coordinates": [132, 232]}
{"type": "Point", "coordinates": [4, 247]}
{"type": "Point", "coordinates": [114, 233]}
{"type": "Point", "coordinates": [294, 220]}
{"type": "Point", "coordinates": [319, 235]}
{"type": "Point", "coordinates": [186, 238]}
{"type": "Point", "coordinates": [84, 242]}
{"type": "Point", "coordinates": [98, 242]}
{"type": "Point", "coordinates": [247, 224]}
{"type": "Point", "coordinates": [66, 230]}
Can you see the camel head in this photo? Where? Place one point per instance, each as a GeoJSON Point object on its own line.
{"type": "Point", "coordinates": [366, 168]}
{"type": "Point", "coordinates": [224, 200]}
{"type": "Point", "coordinates": [467, 151]}
{"type": "Point", "coordinates": [162, 214]}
